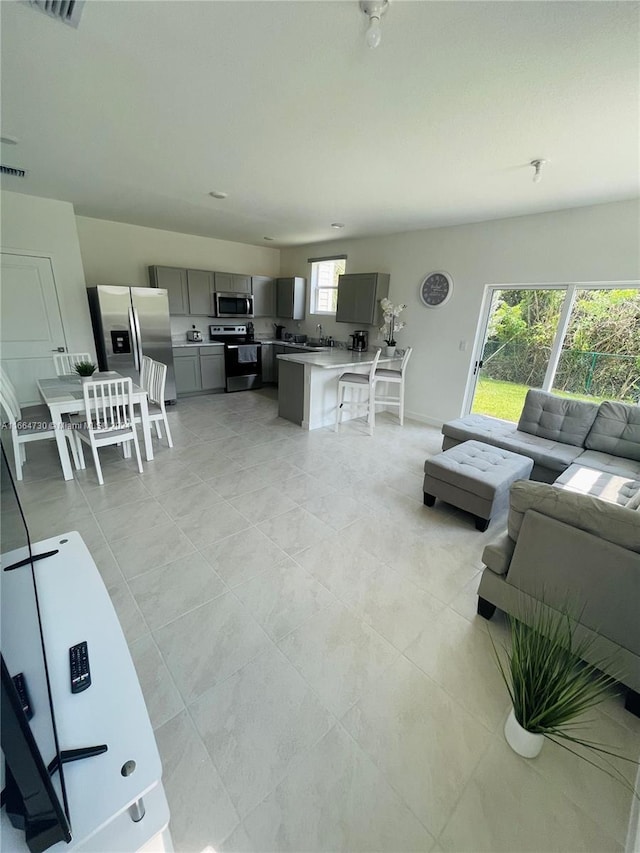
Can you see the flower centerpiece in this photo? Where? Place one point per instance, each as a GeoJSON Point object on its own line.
{"type": "Point", "coordinates": [390, 314]}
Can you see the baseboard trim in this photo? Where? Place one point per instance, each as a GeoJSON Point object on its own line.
{"type": "Point", "coordinates": [423, 419]}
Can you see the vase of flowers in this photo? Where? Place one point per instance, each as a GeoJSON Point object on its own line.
{"type": "Point", "coordinates": [392, 324]}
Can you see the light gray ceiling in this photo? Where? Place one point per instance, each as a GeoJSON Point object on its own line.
{"type": "Point", "coordinates": [137, 114]}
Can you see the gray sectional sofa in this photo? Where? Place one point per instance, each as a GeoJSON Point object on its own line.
{"type": "Point", "coordinates": [557, 432]}
{"type": "Point", "coordinates": [572, 539]}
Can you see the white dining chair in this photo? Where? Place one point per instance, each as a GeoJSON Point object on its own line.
{"type": "Point", "coordinates": [108, 419]}
{"type": "Point", "coordinates": [9, 389]}
{"type": "Point", "coordinates": [153, 378]}
{"type": "Point", "coordinates": [357, 383]}
{"type": "Point", "coordinates": [65, 362]}
{"type": "Point", "coordinates": [394, 377]}
{"type": "Point", "coordinates": [145, 368]}
{"type": "Point", "coordinates": [31, 423]}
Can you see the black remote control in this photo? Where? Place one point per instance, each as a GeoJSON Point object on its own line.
{"type": "Point", "coordinates": [21, 686]}
{"type": "Point", "coordinates": [79, 667]}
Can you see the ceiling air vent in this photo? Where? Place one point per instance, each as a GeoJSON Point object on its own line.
{"type": "Point", "coordinates": [11, 170]}
{"type": "Point", "coordinates": [67, 11]}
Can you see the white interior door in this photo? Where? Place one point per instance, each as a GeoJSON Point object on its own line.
{"type": "Point", "coordinates": [30, 322]}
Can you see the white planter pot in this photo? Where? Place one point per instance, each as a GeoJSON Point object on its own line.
{"type": "Point", "coordinates": [84, 379]}
{"type": "Point", "coordinates": [390, 352]}
{"type": "Point", "coordinates": [520, 740]}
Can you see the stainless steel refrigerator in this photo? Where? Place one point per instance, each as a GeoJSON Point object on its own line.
{"type": "Point", "coordinates": [129, 322]}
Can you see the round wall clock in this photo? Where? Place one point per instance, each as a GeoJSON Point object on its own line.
{"type": "Point", "coordinates": [436, 289]}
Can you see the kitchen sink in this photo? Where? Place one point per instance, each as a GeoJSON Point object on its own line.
{"type": "Point", "coordinates": [310, 347]}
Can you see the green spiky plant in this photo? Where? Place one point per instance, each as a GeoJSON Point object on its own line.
{"type": "Point", "coordinates": [551, 686]}
{"type": "Point", "coordinates": [85, 368]}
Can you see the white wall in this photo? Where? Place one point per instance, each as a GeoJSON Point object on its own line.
{"type": "Point", "coordinates": [44, 226]}
{"type": "Point", "coordinates": [597, 243]}
{"type": "Point", "coordinates": [118, 253]}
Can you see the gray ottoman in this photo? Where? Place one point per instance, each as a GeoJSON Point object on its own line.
{"type": "Point", "coordinates": [475, 477]}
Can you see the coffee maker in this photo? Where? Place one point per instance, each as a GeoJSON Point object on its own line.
{"type": "Point", "coordinates": [359, 340]}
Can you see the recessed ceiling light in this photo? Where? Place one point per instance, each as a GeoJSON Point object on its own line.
{"type": "Point", "coordinates": [218, 194]}
{"type": "Point", "coordinates": [337, 225]}
{"type": "Point", "coordinates": [268, 238]}
{"type": "Point", "coordinates": [9, 140]}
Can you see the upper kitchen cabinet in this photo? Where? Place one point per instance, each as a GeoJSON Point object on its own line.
{"type": "Point", "coordinates": [264, 296]}
{"type": "Point", "coordinates": [189, 290]}
{"type": "Point", "coordinates": [231, 282]}
{"type": "Point", "coordinates": [290, 296]}
{"type": "Point", "coordinates": [359, 295]}
{"type": "Point", "coordinates": [173, 280]}
{"type": "Point", "coordinates": [199, 288]}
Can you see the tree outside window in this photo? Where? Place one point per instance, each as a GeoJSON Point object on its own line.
{"type": "Point", "coordinates": [324, 284]}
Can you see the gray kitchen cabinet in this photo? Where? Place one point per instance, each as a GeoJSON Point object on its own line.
{"type": "Point", "coordinates": [290, 298]}
{"type": "Point", "coordinates": [200, 285]}
{"type": "Point", "coordinates": [291, 392]}
{"type": "Point", "coordinates": [264, 296]}
{"type": "Point", "coordinates": [186, 364]}
{"type": "Point", "coordinates": [268, 366]}
{"type": "Point", "coordinates": [174, 280]}
{"type": "Point", "coordinates": [278, 349]}
{"type": "Point", "coordinates": [211, 369]}
{"type": "Point", "coordinates": [359, 295]}
{"type": "Point", "coordinates": [231, 282]}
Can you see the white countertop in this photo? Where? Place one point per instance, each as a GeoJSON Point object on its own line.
{"type": "Point", "coordinates": [335, 359]}
{"type": "Point", "coordinates": [176, 344]}
{"type": "Point", "coordinates": [314, 347]}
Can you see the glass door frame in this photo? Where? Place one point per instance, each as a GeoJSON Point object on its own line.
{"type": "Point", "coordinates": [571, 289]}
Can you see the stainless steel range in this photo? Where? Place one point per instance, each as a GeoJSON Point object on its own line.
{"type": "Point", "coordinates": [242, 356]}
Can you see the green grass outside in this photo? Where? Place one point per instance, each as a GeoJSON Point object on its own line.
{"type": "Point", "coordinates": [505, 400]}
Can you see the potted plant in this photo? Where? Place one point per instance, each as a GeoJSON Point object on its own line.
{"type": "Point", "coordinates": [390, 314]}
{"type": "Point", "coordinates": [85, 370]}
{"type": "Point", "coordinates": [550, 686]}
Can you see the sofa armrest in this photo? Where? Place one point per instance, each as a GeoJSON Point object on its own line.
{"type": "Point", "coordinates": [497, 554]}
{"type": "Point", "coordinates": [611, 522]}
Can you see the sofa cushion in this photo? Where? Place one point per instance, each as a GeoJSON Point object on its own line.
{"type": "Point", "coordinates": [609, 521]}
{"type": "Point", "coordinates": [616, 430]}
{"type": "Point", "coordinates": [599, 484]}
{"type": "Point", "coordinates": [557, 418]}
{"type": "Point", "coordinates": [544, 452]}
{"type": "Point", "coordinates": [610, 464]}
{"type": "Point", "coordinates": [479, 427]}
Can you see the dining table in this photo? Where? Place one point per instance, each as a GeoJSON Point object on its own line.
{"type": "Point", "coordinates": [64, 396]}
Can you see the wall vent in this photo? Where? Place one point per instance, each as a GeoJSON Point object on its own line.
{"type": "Point", "coordinates": [67, 11]}
{"type": "Point", "coordinates": [11, 170]}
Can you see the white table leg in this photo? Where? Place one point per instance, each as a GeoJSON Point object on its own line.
{"type": "Point", "coordinates": [146, 428]}
{"type": "Point", "coordinates": [61, 441]}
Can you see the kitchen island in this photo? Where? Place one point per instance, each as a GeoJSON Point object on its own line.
{"type": "Point", "coordinates": [308, 384]}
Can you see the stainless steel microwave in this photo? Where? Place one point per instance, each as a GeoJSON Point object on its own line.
{"type": "Point", "coordinates": [233, 304]}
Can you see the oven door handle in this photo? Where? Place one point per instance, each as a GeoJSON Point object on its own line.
{"type": "Point", "coordinates": [237, 346]}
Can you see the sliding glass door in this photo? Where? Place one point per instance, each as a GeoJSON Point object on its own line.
{"type": "Point", "coordinates": [578, 341]}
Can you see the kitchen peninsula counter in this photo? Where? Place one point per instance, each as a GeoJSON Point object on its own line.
{"type": "Point", "coordinates": [308, 384]}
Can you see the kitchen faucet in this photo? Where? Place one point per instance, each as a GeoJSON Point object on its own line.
{"type": "Point", "coordinates": [319, 330]}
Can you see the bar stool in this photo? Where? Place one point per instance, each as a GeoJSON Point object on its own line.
{"type": "Point", "coordinates": [394, 377]}
{"type": "Point", "coordinates": [358, 382]}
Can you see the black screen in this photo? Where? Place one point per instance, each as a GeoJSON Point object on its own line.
{"type": "Point", "coordinates": [34, 801]}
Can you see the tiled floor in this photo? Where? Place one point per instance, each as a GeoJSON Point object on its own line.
{"type": "Point", "coordinates": [305, 634]}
